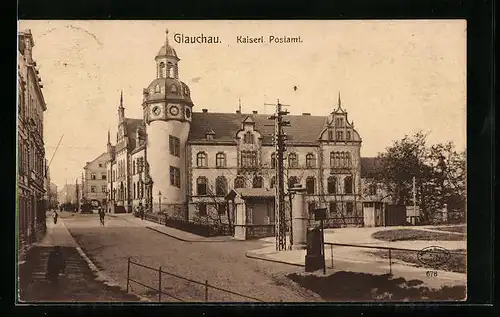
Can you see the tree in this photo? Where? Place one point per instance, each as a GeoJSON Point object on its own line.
{"type": "Point", "coordinates": [439, 172]}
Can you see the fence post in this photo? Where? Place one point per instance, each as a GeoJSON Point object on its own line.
{"type": "Point", "coordinates": [390, 262]}
{"type": "Point", "coordinates": [331, 251]}
{"type": "Point", "coordinates": [206, 290]}
{"type": "Point", "coordinates": [128, 273]}
{"type": "Point", "coordinates": [159, 284]}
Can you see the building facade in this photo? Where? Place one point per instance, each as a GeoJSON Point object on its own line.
{"type": "Point", "coordinates": [31, 147]}
{"type": "Point", "coordinates": [95, 181]}
{"type": "Point", "coordinates": [184, 163]}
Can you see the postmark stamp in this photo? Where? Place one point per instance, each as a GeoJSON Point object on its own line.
{"type": "Point", "coordinates": [433, 255]}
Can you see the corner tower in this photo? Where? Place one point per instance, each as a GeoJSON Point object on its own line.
{"type": "Point", "coordinates": [167, 110]}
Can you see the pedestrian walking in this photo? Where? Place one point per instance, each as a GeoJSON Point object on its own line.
{"type": "Point", "coordinates": [141, 211]}
{"type": "Point", "coordinates": [101, 215]}
{"type": "Point", "coordinates": [55, 215]}
{"type": "Point", "coordinates": [55, 265]}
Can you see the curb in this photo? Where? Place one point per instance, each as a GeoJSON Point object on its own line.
{"type": "Point", "coordinates": [184, 240]}
{"type": "Point", "coordinates": [255, 257]}
{"type": "Point", "coordinates": [101, 277]}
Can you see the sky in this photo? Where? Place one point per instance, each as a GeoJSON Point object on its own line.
{"type": "Point", "coordinates": [395, 77]}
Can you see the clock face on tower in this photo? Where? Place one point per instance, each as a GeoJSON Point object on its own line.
{"type": "Point", "coordinates": [156, 110]}
{"type": "Point", "coordinates": [174, 110]}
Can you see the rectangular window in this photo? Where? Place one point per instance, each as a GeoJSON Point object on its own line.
{"type": "Point", "coordinates": [348, 135]}
{"type": "Point", "coordinates": [340, 135]}
{"type": "Point", "coordinates": [248, 159]}
{"type": "Point", "coordinates": [92, 176]}
{"type": "Point", "coordinates": [333, 207]}
{"type": "Point", "coordinates": [103, 176]}
{"type": "Point", "coordinates": [330, 135]}
{"type": "Point", "coordinates": [92, 189]}
{"type": "Point", "coordinates": [103, 188]}
{"type": "Point", "coordinates": [175, 146]}
{"type": "Point", "coordinates": [349, 208]}
{"type": "Point", "coordinates": [203, 209]}
{"type": "Point", "coordinates": [175, 176]}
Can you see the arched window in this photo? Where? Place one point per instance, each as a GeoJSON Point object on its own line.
{"type": "Point", "coordinates": [201, 159]}
{"type": "Point", "coordinates": [161, 70]}
{"type": "Point", "coordinates": [201, 186]}
{"type": "Point", "coordinates": [239, 182]}
{"type": "Point", "coordinates": [332, 185]}
{"type": "Point", "coordinates": [273, 182]}
{"type": "Point", "coordinates": [273, 160]}
{"type": "Point", "coordinates": [330, 135]}
{"type": "Point", "coordinates": [257, 182]}
{"type": "Point", "coordinates": [292, 181]}
{"type": "Point", "coordinates": [292, 160]}
{"type": "Point", "coordinates": [220, 186]}
{"type": "Point", "coordinates": [170, 70]}
{"type": "Point", "coordinates": [310, 185]}
{"type": "Point", "coordinates": [348, 185]}
{"type": "Point", "coordinates": [157, 89]}
{"type": "Point", "coordinates": [220, 159]}
{"type": "Point", "coordinates": [310, 161]}
{"type": "Point", "coordinates": [348, 136]}
{"type": "Point", "coordinates": [248, 139]}
{"type": "Point", "coordinates": [173, 89]}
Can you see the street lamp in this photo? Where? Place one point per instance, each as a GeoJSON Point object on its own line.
{"type": "Point", "coordinates": [159, 201]}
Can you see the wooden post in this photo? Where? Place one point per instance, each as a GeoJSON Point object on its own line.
{"type": "Point", "coordinates": [159, 284]}
{"type": "Point", "coordinates": [390, 262]}
{"type": "Point", "coordinates": [128, 273]}
{"type": "Point", "coordinates": [206, 290]}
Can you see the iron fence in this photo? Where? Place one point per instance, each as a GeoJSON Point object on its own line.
{"type": "Point", "coordinates": [160, 290]}
{"type": "Point", "coordinates": [390, 252]}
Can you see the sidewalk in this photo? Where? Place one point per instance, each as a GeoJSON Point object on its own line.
{"type": "Point", "coordinates": [169, 231]}
{"type": "Point", "coordinates": [78, 284]}
{"type": "Point", "coordinates": [345, 260]}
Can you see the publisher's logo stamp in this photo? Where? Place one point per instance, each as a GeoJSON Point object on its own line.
{"type": "Point", "coordinates": [433, 255]}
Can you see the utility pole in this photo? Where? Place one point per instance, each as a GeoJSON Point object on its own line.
{"type": "Point", "coordinates": [279, 139]}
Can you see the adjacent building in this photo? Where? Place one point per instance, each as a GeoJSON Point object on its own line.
{"type": "Point", "coordinates": [184, 163]}
{"type": "Point", "coordinates": [30, 144]}
{"type": "Point", "coordinates": [69, 194]}
{"type": "Point", "coordinates": [95, 181]}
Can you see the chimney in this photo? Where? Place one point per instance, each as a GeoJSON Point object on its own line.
{"type": "Point", "coordinates": [254, 112]}
{"type": "Point", "coordinates": [238, 112]}
{"type": "Point", "coordinates": [204, 110]}
{"type": "Point", "coordinates": [306, 113]}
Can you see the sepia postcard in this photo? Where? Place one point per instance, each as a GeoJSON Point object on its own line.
{"type": "Point", "coordinates": [241, 161]}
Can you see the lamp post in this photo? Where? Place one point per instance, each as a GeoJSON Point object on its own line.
{"type": "Point", "coordinates": [159, 201]}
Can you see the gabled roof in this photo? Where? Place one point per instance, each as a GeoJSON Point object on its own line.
{"type": "Point", "coordinates": [104, 156]}
{"type": "Point", "coordinates": [303, 128]}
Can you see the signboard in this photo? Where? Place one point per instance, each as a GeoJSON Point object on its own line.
{"type": "Point", "coordinates": [320, 214]}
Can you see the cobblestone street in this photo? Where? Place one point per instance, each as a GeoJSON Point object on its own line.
{"type": "Point", "coordinates": [222, 264]}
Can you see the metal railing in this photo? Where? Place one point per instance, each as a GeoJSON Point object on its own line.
{"type": "Point", "coordinates": [161, 292]}
{"type": "Point", "coordinates": [390, 251]}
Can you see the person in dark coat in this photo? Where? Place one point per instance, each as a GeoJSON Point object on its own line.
{"type": "Point", "coordinates": [141, 211]}
{"type": "Point", "coordinates": [55, 265]}
{"type": "Point", "coordinates": [55, 215]}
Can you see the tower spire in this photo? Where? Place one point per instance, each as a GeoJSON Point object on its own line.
{"type": "Point", "coordinates": [239, 104]}
{"type": "Point", "coordinates": [166, 37]}
{"type": "Point", "coordinates": [121, 99]}
{"type": "Point", "coordinates": [109, 137]}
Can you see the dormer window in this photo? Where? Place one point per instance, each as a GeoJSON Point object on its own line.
{"type": "Point", "coordinates": [173, 89]}
{"type": "Point", "coordinates": [210, 134]}
{"type": "Point", "coordinates": [330, 135]}
{"type": "Point", "coordinates": [157, 89]}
